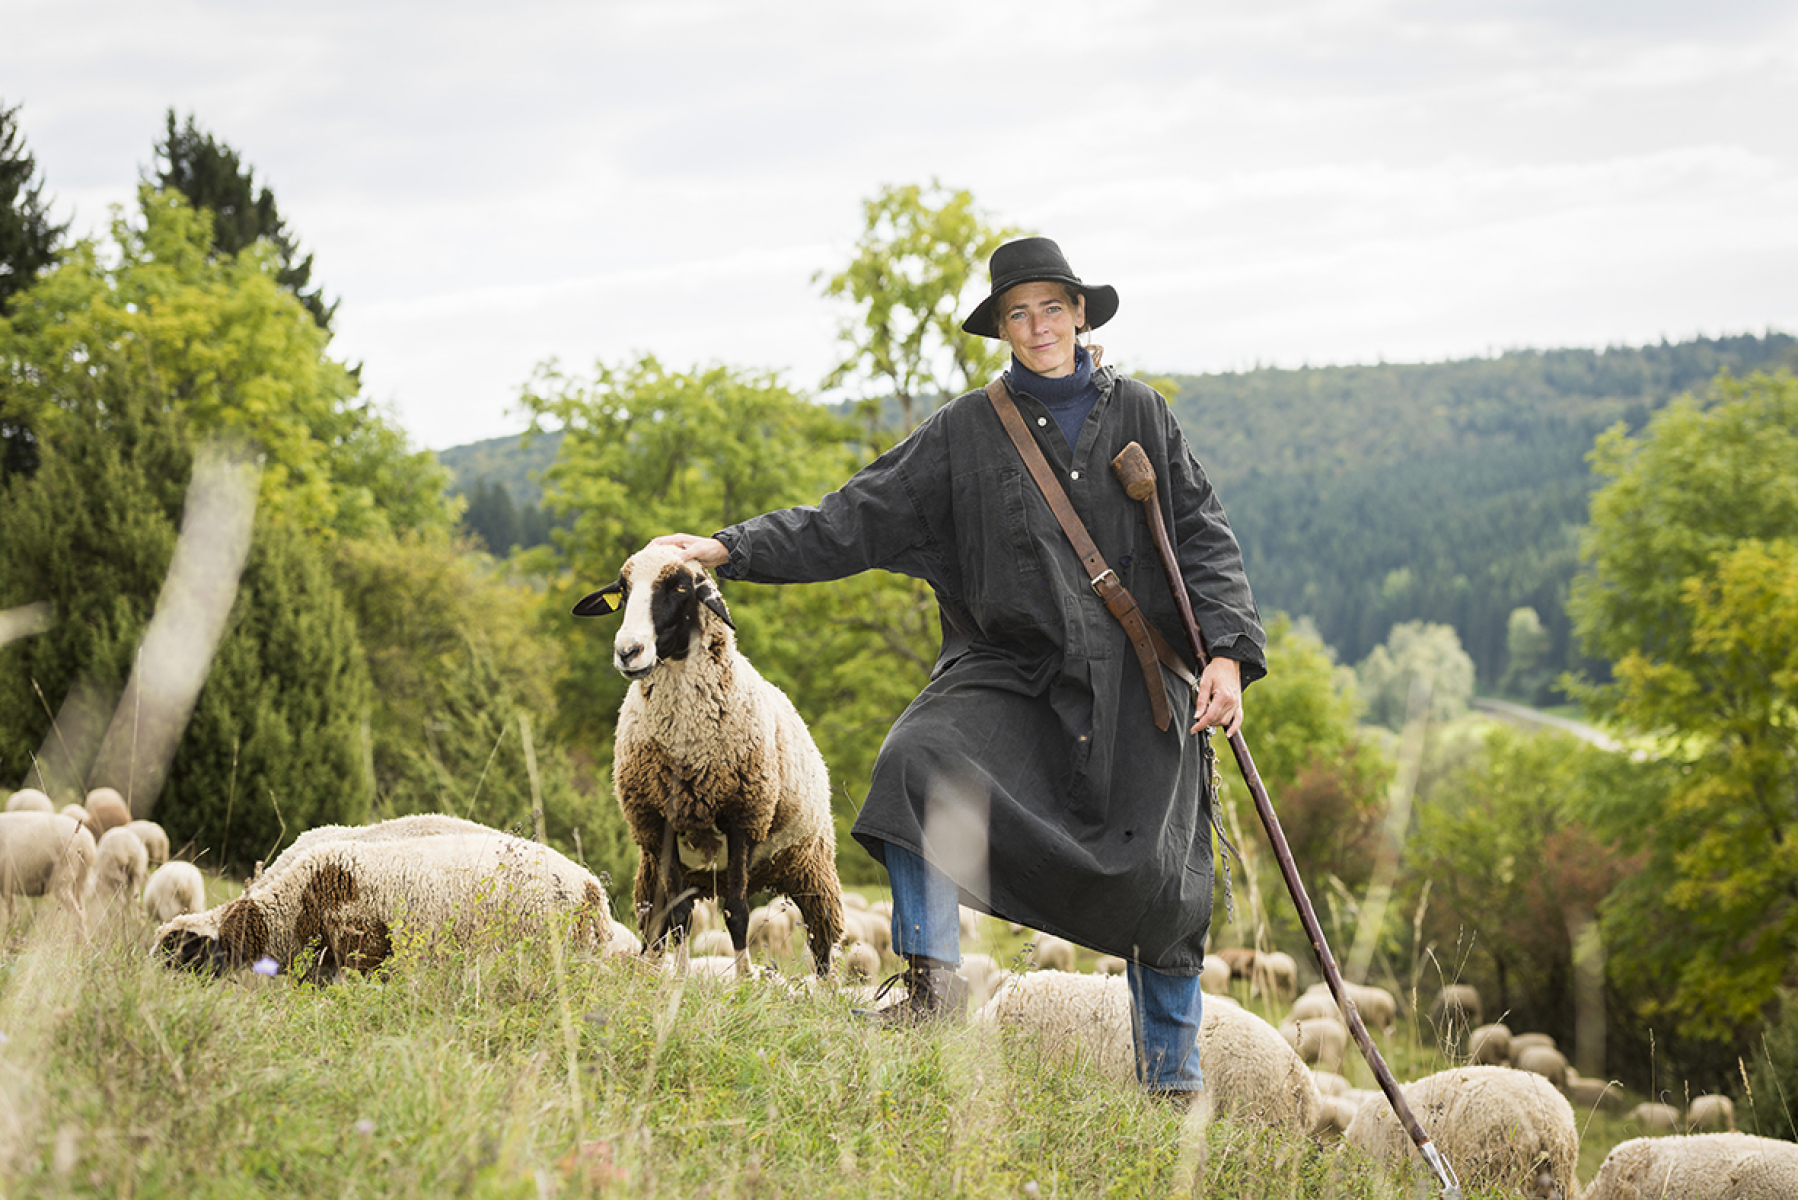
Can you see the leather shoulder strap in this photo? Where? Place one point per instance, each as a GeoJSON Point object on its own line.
{"type": "Point", "coordinates": [1105, 584]}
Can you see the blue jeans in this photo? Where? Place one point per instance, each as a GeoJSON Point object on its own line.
{"type": "Point", "coordinates": [1164, 1009]}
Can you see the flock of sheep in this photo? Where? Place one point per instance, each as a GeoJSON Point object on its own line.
{"type": "Point", "coordinates": [333, 899]}
{"type": "Point", "coordinates": [92, 853]}
{"type": "Point", "coordinates": [737, 802]}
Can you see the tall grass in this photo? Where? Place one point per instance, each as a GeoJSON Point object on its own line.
{"type": "Point", "coordinates": [475, 1070]}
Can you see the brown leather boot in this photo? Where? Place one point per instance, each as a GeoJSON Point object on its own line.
{"type": "Point", "coordinates": [933, 992]}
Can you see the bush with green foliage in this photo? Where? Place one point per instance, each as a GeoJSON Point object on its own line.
{"type": "Point", "coordinates": [1767, 1095]}
{"type": "Point", "coordinates": [274, 746]}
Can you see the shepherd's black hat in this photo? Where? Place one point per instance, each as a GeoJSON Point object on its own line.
{"type": "Point", "coordinates": [1037, 260]}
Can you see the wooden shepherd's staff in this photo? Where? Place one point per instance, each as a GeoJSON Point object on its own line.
{"type": "Point", "coordinates": [1137, 474]}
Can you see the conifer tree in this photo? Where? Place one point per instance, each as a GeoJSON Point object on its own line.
{"type": "Point", "coordinates": [275, 744]}
{"type": "Point", "coordinates": [212, 176]}
{"type": "Point", "coordinates": [28, 237]}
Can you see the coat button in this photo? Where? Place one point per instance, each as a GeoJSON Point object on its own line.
{"type": "Point", "coordinates": [1073, 475]}
{"type": "Point", "coordinates": [1042, 420]}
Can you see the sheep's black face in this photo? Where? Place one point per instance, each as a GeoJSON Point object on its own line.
{"type": "Point", "coordinates": [662, 598]}
{"type": "Point", "coordinates": [187, 950]}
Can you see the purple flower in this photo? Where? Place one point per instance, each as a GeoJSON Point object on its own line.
{"type": "Point", "coordinates": [266, 966]}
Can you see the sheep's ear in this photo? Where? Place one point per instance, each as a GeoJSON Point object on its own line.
{"type": "Point", "coordinates": [608, 599]}
{"type": "Point", "coordinates": [712, 599]}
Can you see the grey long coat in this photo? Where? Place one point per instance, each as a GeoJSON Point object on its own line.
{"type": "Point", "coordinates": [1036, 721]}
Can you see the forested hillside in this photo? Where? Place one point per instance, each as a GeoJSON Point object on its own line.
{"type": "Point", "coordinates": [1365, 496]}
{"type": "Point", "coordinates": [1451, 492]}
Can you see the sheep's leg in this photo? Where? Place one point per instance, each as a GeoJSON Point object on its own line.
{"type": "Point", "coordinates": [814, 887]}
{"type": "Point", "coordinates": [662, 891]}
{"type": "Point", "coordinates": [736, 892]}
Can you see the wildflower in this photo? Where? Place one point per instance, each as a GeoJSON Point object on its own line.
{"type": "Point", "coordinates": [365, 1127]}
{"type": "Point", "coordinates": [266, 966]}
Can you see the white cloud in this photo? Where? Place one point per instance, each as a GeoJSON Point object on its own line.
{"type": "Point", "coordinates": [1298, 181]}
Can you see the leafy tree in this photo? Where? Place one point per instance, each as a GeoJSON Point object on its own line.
{"type": "Point", "coordinates": [920, 249]}
{"type": "Point", "coordinates": [1497, 861]}
{"type": "Point", "coordinates": [28, 237]}
{"type": "Point", "coordinates": [1693, 574]}
{"type": "Point", "coordinates": [213, 178]}
{"type": "Point", "coordinates": [1416, 650]}
{"type": "Point", "coordinates": [1527, 675]}
{"type": "Point", "coordinates": [1327, 784]}
{"type": "Point", "coordinates": [221, 344]}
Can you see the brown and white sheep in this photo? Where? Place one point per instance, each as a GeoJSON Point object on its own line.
{"type": "Point", "coordinates": [724, 789]}
{"type": "Point", "coordinates": [346, 892]}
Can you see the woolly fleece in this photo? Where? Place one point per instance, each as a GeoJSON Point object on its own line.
{"type": "Point", "coordinates": [1497, 1127]}
{"type": "Point", "coordinates": [1706, 1166]}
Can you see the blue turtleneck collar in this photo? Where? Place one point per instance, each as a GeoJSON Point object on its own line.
{"type": "Point", "coordinates": [1069, 398]}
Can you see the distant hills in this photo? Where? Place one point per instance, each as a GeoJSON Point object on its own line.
{"type": "Point", "coordinates": [1365, 496]}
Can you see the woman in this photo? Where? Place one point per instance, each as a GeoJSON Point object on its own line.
{"type": "Point", "coordinates": [1029, 779]}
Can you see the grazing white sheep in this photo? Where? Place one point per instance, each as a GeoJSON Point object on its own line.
{"type": "Point", "coordinates": [1329, 1083]}
{"type": "Point", "coordinates": [1497, 1127]}
{"type": "Point", "coordinates": [1275, 976]}
{"type": "Point", "coordinates": [1241, 960]}
{"type": "Point", "coordinates": [861, 962]}
{"type": "Point", "coordinates": [1457, 1006]}
{"type": "Point", "coordinates": [1111, 964]}
{"type": "Point", "coordinates": [724, 789]}
{"type": "Point", "coordinates": [154, 838]}
{"type": "Point", "coordinates": [1705, 1166]}
{"type": "Point", "coordinates": [856, 901]}
{"type": "Point", "coordinates": [1051, 953]}
{"type": "Point", "coordinates": [46, 854]}
{"type": "Point", "coordinates": [1320, 1040]}
{"type": "Point", "coordinates": [344, 895]}
{"type": "Point", "coordinates": [711, 943]}
{"type": "Point", "coordinates": [108, 808]}
{"type": "Point", "coordinates": [1490, 1045]}
{"type": "Point", "coordinates": [863, 925]}
{"type": "Point", "coordinates": [1249, 1070]}
{"type": "Point", "coordinates": [1314, 1006]}
{"type": "Point", "coordinates": [120, 866]}
{"type": "Point", "coordinates": [79, 813]}
{"type": "Point", "coordinates": [1376, 1005]}
{"type": "Point", "coordinates": [770, 930]}
{"type": "Point", "coordinates": [1590, 1095]}
{"type": "Point", "coordinates": [1525, 1041]}
{"type": "Point", "coordinates": [1214, 975]}
{"type": "Point", "coordinates": [174, 888]}
{"type": "Point", "coordinates": [1654, 1118]}
{"type": "Point", "coordinates": [1711, 1114]}
{"type": "Point", "coordinates": [1545, 1061]}
{"type": "Point", "coordinates": [29, 800]}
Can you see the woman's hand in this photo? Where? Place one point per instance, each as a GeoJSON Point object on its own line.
{"type": "Point", "coordinates": [1219, 700]}
{"type": "Point", "coordinates": [709, 552]}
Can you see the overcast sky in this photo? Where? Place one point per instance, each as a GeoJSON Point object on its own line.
{"type": "Point", "coordinates": [1291, 182]}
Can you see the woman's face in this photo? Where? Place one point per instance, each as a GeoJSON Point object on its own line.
{"type": "Point", "coordinates": [1039, 321]}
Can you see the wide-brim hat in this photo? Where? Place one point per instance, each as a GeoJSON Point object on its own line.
{"type": "Point", "coordinates": [1037, 260]}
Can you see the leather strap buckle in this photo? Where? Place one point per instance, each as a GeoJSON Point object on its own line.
{"type": "Point", "coordinates": [1099, 580]}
